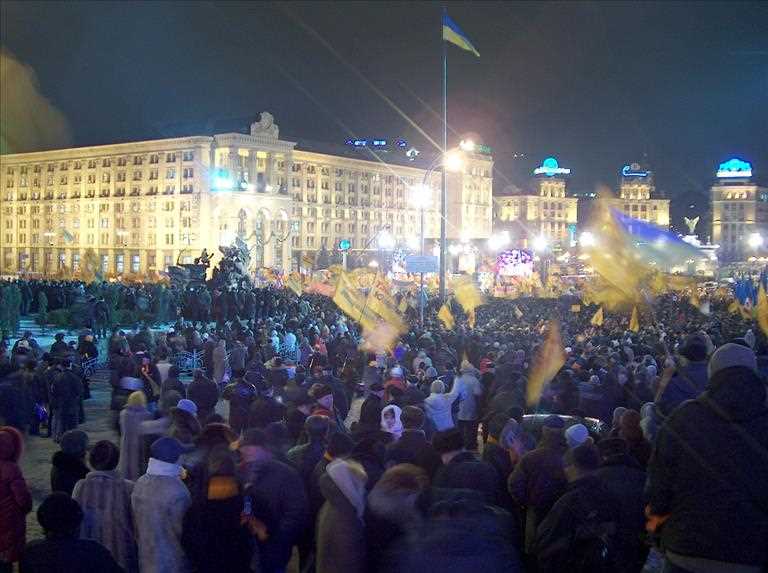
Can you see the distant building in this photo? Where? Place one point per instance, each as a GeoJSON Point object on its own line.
{"type": "Point", "coordinates": [636, 196]}
{"type": "Point", "coordinates": [142, 206]}
{"type": "Point", "coordinates": [544, 211]}
{"type": "Point", "coordinates": [739, 212]}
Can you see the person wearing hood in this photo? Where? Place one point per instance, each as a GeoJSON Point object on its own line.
{"type": "Point", "coordinates": [390, 421]}
{"type": "Point", "coordinates": [341, 544]}
{"type": "Point", "coordinates": [105, 499]}
{"type": "Point", "coordinates": [707, 485]}
{"type": "Point", "coordinates": [392, 510]}
{"type": "Point", "coordinates": [538, 478]}
{"type": "Point", "coordinates": [215, 536]}
{"type": "Point", "coordinates": [15, 498]}
{"type": "Point", "coordinates": [277, 488]}
{"type": "Point", "coordinates": [68, 464]}
{"type": "Point", "coordinates": [438, 405]}
{"type": "Point", "coordinates": [159, 502]}
{"type": "Point", "coordinates": [62, 549]}
{"type": "Point", "coordinates": [131, 441]}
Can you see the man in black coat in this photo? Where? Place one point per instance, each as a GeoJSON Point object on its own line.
{"type": "Point", "coordinates": [413, 447]}
{"type": "Point", "coordinates": [708, 475]}
{"type": "Point", "coordinates": [62, 549]}
{"type": "Point", "coordinates": [462, 470]}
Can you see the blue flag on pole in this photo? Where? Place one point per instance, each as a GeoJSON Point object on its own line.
{"type": "Point", "coordinates": [453, 34]}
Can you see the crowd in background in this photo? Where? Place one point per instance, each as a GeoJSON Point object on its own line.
{"type": "Point", "coordinates": [430, 456]}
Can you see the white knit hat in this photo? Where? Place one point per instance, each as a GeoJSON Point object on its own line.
{"type": "Point", "coordinates": [576, 435]}
{"type": "Point", "coordinates": [730, 355]}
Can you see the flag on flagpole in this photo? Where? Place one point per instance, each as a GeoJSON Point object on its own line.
{"type": "Point", "coordinates": [762, 309]}
{"type": "Point", "coordinates": [456, 36]}
{"type": "Point", "coordinates": [403, 306]}
{"type": "Point", "coordinates": [467, 294]}
{"type": "Point", "coordinates": [597, 319]}
{"type": "Point", "coordinates": [446, 317]}
{"type": "Point", "coordinates": [549, 360]}
{"type": "Point", "coordinates": [634, 323]}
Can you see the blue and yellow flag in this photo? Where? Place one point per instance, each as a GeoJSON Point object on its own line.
{"type": "Point", "coordinates": [453, 34]}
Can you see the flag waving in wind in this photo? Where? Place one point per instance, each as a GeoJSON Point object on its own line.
{"type": "Point", "coordinates": [453, 34]}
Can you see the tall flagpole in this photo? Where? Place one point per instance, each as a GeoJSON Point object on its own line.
{"type": "Point", "coordinates": [444, 193]}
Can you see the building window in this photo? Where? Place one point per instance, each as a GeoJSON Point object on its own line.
{"type": "Point", "coordinates": [170, 157]}
{"type": "Point", "coordinates": [169, 238]}
{"type": "Point", "coordinates": [170, 173]}
{"type": "Point", "coordinates": [188, 156]}
{"type": "Point", "coordinates": [135, 263]}
{"type": "Point", "coordinates": [189, 173]}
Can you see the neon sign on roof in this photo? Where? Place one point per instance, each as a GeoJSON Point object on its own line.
{"type": "Point", "coordinates": [550, 167]}
{"type": "Point", "coordinates": [735, 168]}
{"type": "Point", "coordinates": [633, 171]}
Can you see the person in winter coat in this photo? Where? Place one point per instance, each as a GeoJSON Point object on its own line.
{"type": "Point", "coordinates": [62, 550]}
{"type": "Point", "coordinates": [204, 393]}
{"type": "Point", "coordinates": [159, 502]}
{"type": "Point", "coordinates": [631, 432]}
{"type": "Point", "coordinates": [470, 391]}
{"type": "Point", "coordinates": [390, 421]}
{"type": "Point", "coordinates": [413, 447]}
{"type": "Point", "coordinates": [105, 499]}
{"type": "Point", "coordinates": [220, 363]}
{"type": "Point", "coordinates": [462, 469]}
{"type": "Point", "coordinates": [304, 457]}
{"type": "Point", "coordinates": [568, 539]}
{"type": "Point", "coordinates": [277, 488]}
{"type": "Point", "coordinates": [15, 498]}
{"type": "Point", "coordinates": [686, 381]}
{"type": "Point", "coordinates": [65, 395]}
{"type": "Point", "coordinates": [184, 424]}
{"type": "Point", "coordinates": [340, 526]}
{"type": "Point", "coordinates": [707, 486]}
{"type": "Point", "coordinates": [131, 464]}
{"type": "Point", "coordinates": [538, 478]}
{"type": "Point", "coordinates": [624, 479]}
{"type": "Point", "coordinates": [438, 405]}
{"type": "Point", "coordinates": [68, 464]}
{"type": "Point", "coordinates": [214, 535]}
{"type": "Point", "coordinates": [392, 511]}
{"type": "Point", "coordinates": [240, 394]}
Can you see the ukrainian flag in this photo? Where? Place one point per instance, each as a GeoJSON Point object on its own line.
{"type": "Point", "coordinates": [453, 34]}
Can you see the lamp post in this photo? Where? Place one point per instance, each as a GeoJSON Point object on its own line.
{"type": "Point", "coordinates": [420, 198]}
{"type": "Point", "coordinates": [540, 245]}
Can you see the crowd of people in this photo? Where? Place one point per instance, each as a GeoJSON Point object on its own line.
{"type": "Point", "coordinates": [280, 439]}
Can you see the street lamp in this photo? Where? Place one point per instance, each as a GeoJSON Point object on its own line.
{"type": "Point", "coordinates": [386, 240]}
{"type": "Point", "coordinates": [587, 239]}
{"type": "Point", "coordinates": [421, 198]}
{"type": "Point", "coordinates": [540, 244]}
{"type": "Point", "coordinates": [755, 240]}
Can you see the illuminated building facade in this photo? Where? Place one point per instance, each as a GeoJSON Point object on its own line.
{"type": "Point", "coordinates": [142, 206]}
{"type": "Point", "coordinates": [739, 212]}
{"type": "Point", "coordinates": [636, 196]}
{"type": "Point", "coordinates": [546, 212]}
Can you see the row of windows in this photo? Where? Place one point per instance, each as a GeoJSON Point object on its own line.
{"type": "Point", "coordinates": [134, 207]}
{"type": "Point", "coordinates": [90, 193]}
{"type": "Point", "coordinates": [170, 173]}
{"type": "Point", "coordinates": [153, 158]}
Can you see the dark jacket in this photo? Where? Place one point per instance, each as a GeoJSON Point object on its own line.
{"type": "Point", "coordinates": [205, 394]}
{"type": "Point", "coordinates": [465, 471]}
{"type": "Point", "coordinates": [66, 470]}
{"type": "Point", "coordinates": [278, 488]}
{"type": "Point", "coordinates": [413, 448]}
{"type": "Point", "coordinates": [686, 384]}
{"type": "Point", "coordinates": [624, 479]}
{"type": "Point", "coordinates": [538, 478]}
{"type": "Point", "coordinates": [340, 534]}
{"type": "Point", "coordinates": [709, 472]}
{"type": "Point", "coordinates": [240, 395]}
{"type": "Point", "coordinates": [305, 457]}
{"type": "Point", "coordinates": [67, 555]}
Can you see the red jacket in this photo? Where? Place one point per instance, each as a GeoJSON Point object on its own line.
{"type": "Point", "coordinates": [15, 497]}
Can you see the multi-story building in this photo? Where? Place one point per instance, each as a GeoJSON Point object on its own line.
{"type": "Point", "coordinates": [636, 196]}
{"type": "Point", "coordinates": [739, 212]}
{"type": "Point", "coordinates": [141, 207]}
{"type": "Point", "coordinates": [545, 212]}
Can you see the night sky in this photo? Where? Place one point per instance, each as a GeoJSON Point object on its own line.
{"type": "Point", "coordinates": [682, 86]}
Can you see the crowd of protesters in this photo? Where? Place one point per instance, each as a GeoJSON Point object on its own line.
{"type": "Point", "coordinates": [649, 439]}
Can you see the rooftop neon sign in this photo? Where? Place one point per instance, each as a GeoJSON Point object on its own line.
{"type": "Point", "coordinates": [550, 167]}
{"type": "Point", "coordinates": [735, 168]}
{"type": "Point", "coordinates": [633, 171]}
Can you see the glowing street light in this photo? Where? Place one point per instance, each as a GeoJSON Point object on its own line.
{"type": "Point", "coordinates": [587, 239]}
{"type": "Point", "coordinates": [467, 145]}
{"type": "Point", "coordinates": [498, 241]}
{"type": "Point", "coordinates": [540, 243]}
{"type": "Point", "coordinates": [453, 161]}
{"type": "Point", "coordinates": [386, 240]}
{"type": "Point", "coordinates": [755, 240]}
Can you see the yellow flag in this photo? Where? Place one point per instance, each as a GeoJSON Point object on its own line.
{"type": "Point", "coordinates": [597, 319]}
{"type": "Point", "coordinates": [471, 318]}
{"type": "Point", "coordinates": [294, 283]}
{"type": "Point", "coordinates": [762, 310]}
{"type": "Point", "coordinates": [403, 306]}
{"type": "Point", "coordinates": [467, 294]}
{"type": "Point", "coordinates": [634, 323]}
{"type": "Point", "coordinates": [547, 364]}
{"type": "Point", "coordinates": [734, 307]}
{"type": "Point", "coordinates": [446, 317]}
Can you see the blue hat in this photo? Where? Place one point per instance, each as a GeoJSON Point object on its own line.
{"type": "Point", "coordinates": [166, 450]}
{"type": "Point", "coordinates": [554, 422]}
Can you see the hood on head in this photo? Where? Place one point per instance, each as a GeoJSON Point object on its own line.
{"type": "Point", "coordinates": [11, 444]}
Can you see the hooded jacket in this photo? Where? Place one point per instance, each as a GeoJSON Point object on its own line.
{"type": "Point", "coordinates": [340, 533]}
{"type": "Point", "coordinates": [15, 497]}
{"type": "Point", "coordinates": [709, 472]}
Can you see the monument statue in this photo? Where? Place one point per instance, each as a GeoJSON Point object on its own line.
{"type": "Point", "coordinates": [265, 126]}
{"type": "Point", "coordinates": [691, 224]}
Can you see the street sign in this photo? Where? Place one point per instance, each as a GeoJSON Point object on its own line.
{"type": "Point", "coordinates": [421, 264]}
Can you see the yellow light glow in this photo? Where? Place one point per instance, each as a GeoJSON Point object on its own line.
{"type": "Point", "coordinates": [453, 161]}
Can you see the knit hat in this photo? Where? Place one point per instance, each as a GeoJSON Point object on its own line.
{"type": "Point", "coordinates": [731, 355]}
{"type": "Point", "coordinates": [74, 442]}
{"type": "Point", "coordinates": [166, 450]}
{"type": "Point", "coordinates": [188, 406]}
{"type": "Point", "coordinates": [137, 398]}
{"type": "Point", "coordinates": [59, 513]}
{"type": "Point", "coordinates": [104, 456]}
{"type": "Point", "coordinates": [448, 441]}
{"type": "Point", "coordinates": [576, 435]}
